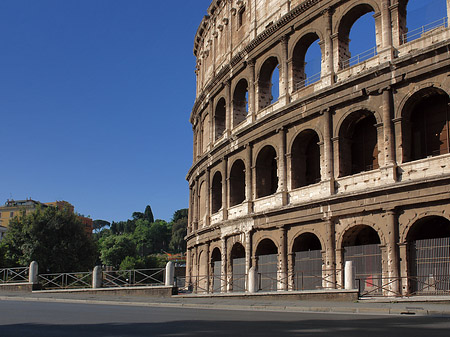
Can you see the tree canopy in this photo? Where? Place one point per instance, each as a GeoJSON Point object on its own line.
{"type": "Point", "coordinates": [54, 238]}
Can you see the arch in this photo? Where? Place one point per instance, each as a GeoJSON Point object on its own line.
{"type": "Point", "coordinates": [202, 199]}
{"type": "Point", "coordinates": [219, 118]}
{"type": "Point", "coordinates": [237, 183]}
{"type": "Point", "coordinates": [216, 192]}
{"type": "Point", "coordinates": [216, 268]}
{"type": "Point", "coordinates": [428, 249]}
{"type": "Point", "coordinates": [344, 27]}
{"type": "Point", "coordinates": [305, 159]}
{"type": "Point", "coordinates": [266, 172]}
{"type": "Point", "coordinates": [425, 124]}
{"type": "Point", "coordinates": [307, 250]}
{"type": "Point", "coordinates": [361, 245]}
{"type": "Point", "coordinates": [205, 133]}
{"type": "Point", "coordinates": [299, 73]}
{"type": "Point", "coordinates": [237, 261]}
{"type": "Point", "coordinates": [358, 143]}
{"type": "Point", "coordinates": [266, 82]}
{"type": "Point", "coordinates": [267, 262]}
{"type": "Point", "coordinates": [240, 102]}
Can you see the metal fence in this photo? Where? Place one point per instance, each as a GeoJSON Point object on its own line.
{"type": "Point", "coordinates": [364, 56]}
{"type": "Point", "coordinates": [133, 278]}
{"type": "Point", "coordinates": [308, 81]}
{"type": "Point", "coordinates": [14, 275]}
{"type": "Point", "coordinates": [419, 32]}
{"type": "Point", "coordinates": [66, 280]}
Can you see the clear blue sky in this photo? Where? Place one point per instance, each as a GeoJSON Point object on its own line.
{"type": "Point", "coordinates": [95, 98]}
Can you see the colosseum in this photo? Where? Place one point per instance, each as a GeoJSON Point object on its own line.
{"type": "Point", "coordinates": [297, 172]}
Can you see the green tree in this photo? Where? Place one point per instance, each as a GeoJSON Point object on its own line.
{"type": "Point", "coordinates": [148, 214]}
{"type": "Point", "coordinates": [54, 238]}
{"type": "Point", "coordinates": [115, 248]}
{"type": "Point", "coordinates": [179, 231]}
{"type": "Point", "coordinates": [100, 224]}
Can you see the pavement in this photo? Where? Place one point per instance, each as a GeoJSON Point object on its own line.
{"type": "Point", "coordinates": [438, 306]}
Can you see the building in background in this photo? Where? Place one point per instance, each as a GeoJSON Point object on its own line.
{"type": "Point", "coordinates": [15, 207]}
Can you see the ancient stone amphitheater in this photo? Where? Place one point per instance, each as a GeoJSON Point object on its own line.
{"type": "Point", "coordinates": [296, 173]}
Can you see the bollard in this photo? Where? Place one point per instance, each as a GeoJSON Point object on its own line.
{"type": "Point", "coordinates": [252, 280]}
{"type": "Point", "coordinates": [97, 277]}
{"type": "Point", "coordinates": [349, 275]}
{"type": "Point", "coordinates": [170, 274]}
{"type": "Point", "coordinates": [33, 274]}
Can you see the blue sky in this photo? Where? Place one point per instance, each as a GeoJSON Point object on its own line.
{"type": "Point", "coordinates": [95, 98]}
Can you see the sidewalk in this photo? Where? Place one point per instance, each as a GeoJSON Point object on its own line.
{"type": "Point", "coordinates": [434, 306]}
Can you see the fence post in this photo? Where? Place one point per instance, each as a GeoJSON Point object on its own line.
{"type": "Point", "coordinates": [33, 273]}
{"type": "Point", "coordinates": [349, 276]}
{"type": "Point", "coordinates": [97, 277]}
{"type": "Point", "coordinates": [170, 274]}
{"type": "Point", "coordinates": [252, 280]}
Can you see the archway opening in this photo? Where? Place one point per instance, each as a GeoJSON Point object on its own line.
{"type": "Point", "coordinates": [268, 83]}
{"type": "Point", "coordinates": [202, 277]}
{"type": "Point", "coordinates": [237, 183]}
{"type": "Point", "coordinates": [308, 262]}
{"type": "Point", "coordinates": [237, 259]}
{"type": "Point", "coordinates": [240, 102]}
{"type": "Point", "coordinates": [429, 256]}
{"type": "Point", "coordinates": [267, 260]}
{"type": "Point", "coordinates": [426, 125]}
{"type": "Point", "coordinates": [305, 159]}
{"type": "Point", "coordinates": [219, 119]}
{"type": "Point", "coordinates": [361, 245]}
{"type": "Point", "coordinates": [202, 205]}
{"type": "Point", "coordinates": [355, 47]}
{"type": "Point", "coordinates": [216, 191]}
{"type": "Point", "coordinates": [266, 172]}
{"type": "Point", "coordinates": [306, 61]}
{"type": "Point", "coordinates": [216, 266]}
{"type": "Point", "coordinates": [358, 144]}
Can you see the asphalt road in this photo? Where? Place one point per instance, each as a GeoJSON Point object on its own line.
{"type": "Point", "coordinates": [22, 318]}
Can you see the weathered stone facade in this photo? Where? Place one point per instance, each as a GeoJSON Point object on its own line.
{"type": "Point", "coordinates": [339, 163]}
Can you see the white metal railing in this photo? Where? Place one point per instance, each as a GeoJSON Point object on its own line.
{"type": "Point", "coordinates": [135, 277]}
{"type": "Point", "coordinates": [308, 81]}
{"type": "Point", "coordinates": [417, 33]}
{"type": "Point", "coordinates": [354, 60]}
{"type": "Point", "coordinates": [14, 275]}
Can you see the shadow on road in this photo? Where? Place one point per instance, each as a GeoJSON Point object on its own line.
{"type": "Point", "coordinates": [392, 326]}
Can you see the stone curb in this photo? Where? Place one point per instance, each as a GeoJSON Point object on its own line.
{"type": "Point", "coordinates": [274, 308]}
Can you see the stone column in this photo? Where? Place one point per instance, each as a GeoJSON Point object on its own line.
{"type": "Point", "coordinates": [251, 91]}
{"type": "Point", "coordinates": [208, 199]}
{"type": "Point", "coordinates": [329, 272]}
{"type": "Point", "coordinates": [327, 71]}
{"type": "Point", "coordinates": [291, 271]}
{"type": "Point", "coordinates": [399, 157]}
{"type": "Point", "coordinates": [282, 183]}
{"type": "Point", "coordinates": [196, 266]}
{"type": "Point", "coordinates": [188, 266]}
{"type": "Point", "coordinates": [224, 188]}
{"type": "Point", "coordinates": [97, 277]}
{"type": "Point", "coordinates": [33, 273]}
{"type": "Point", "coordinates": [225, 262]}
{"type": "Point", "coordinates": [208, 268]}
{"type": "Point", "coordinates": [336, 162]}
{"type": "Point", "coordinates": [387, 52]}
{"type": "Point", "coordinates": [393, 258]}
{"type": "Point", "coordinates": [248, 178]}
{"type": "Point", "coordinates": [228, 109]}
{"type": "Point", "coordinates": [397, 25]}
{"type": "Point", "coordinates": [283, 268]}
{"type": "Point", "coordinates": [189, 228]}
{"type": "Point", "coordinates": [403, 250]}
{"type": "Point", "coordinates": [284, 89]}
{"type": "Point", "coordinates": [328, 167]}
{"type": "Point", "coordinates": [248, 254]}
{"type": "Point", "coordinates": [389, 158]}
{"type": "Point", "coordinates": [170, 274]}
{"type": "Point", "coordinates": [195, 208]}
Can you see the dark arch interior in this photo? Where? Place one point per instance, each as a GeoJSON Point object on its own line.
{"type": "Point", "coordinates": [216, 256]}
{"type": "Point", "coordinates": [360, 235]}
{"type": "Point", "coordinates": [240, 104]}
{"type": "Point", "coordinates": [266, 247]}
{"type": "Point", "coordinates": [216, 198]}
{"type": "Point", "coordinates": [219, 118]}
{"type": "Point", "coordinates": [429, 228]}
{"type": "Point", "coordinates": [237, 183]}
{"type": "Point", "coordinates": [266, 172]}
{"type": "Point", "coordinates": [238, 251]}
{"type": "Point", "coordinates": [306, 242]}
{"type": "Point", "coordinates": [305, 159]}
